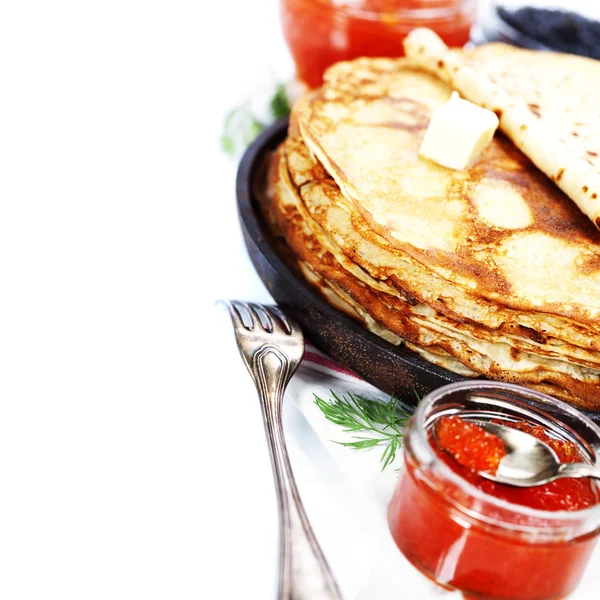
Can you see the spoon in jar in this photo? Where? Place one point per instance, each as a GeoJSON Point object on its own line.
{"type": "Point", "coordinates": [528, 461]}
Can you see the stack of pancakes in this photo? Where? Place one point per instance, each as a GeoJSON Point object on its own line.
{"type": "Point", "coordinates": [490, 271]}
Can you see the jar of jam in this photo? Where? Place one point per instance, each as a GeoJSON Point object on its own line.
{"type": "Point", "coordinates": [487, 539]}
{"type": "Point", "coordinates": [322, 32]}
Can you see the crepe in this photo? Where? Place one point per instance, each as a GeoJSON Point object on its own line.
{"type": "Point", "coordinates": [340, 299]}
{"type": "Point", "coordinates": [499, 229]}
{"type": "Point", "coordinates": [460, 267]}
{"type": "Point", "coordinates": [432, 335]}
{"type": "Point", "coordinates": [548, 104]}
{"type": "Point", "coordinates": [371, 260]}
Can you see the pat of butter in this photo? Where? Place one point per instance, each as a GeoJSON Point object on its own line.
{"type": "Point", "coordinates": [457, 133]}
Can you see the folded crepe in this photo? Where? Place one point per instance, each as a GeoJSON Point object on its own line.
{"type": "Point", "coordinates": [548, 104]}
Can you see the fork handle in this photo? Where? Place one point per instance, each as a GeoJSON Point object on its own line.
{"type": "Point", "coordinates": [303, 570]}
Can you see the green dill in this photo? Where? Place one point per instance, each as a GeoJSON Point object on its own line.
{"type": "Point", "coordinates": [374, 423]}
{"type": "Point", "coordinates": [280, 103]}
{"type": "Point", "coordinates": [241, 126]}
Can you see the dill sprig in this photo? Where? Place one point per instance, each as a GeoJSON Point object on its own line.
{"type": "Point", "coordinates": [239, 129]}
{"type": "Point", "coordinates": [280, 104]}
{"type": "Point", "coordinates": [241, 126]}
{"type": "Point", "coordinates": [379, 423]}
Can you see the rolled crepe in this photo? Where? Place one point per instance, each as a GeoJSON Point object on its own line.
{"type": "Point", "coordinates": [548, 104]}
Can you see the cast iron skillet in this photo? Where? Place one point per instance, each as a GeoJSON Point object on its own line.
{"type": "Point", "coordinates": [395, 370]}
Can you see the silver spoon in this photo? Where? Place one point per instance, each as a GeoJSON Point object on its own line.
{"type": "Point", "coordinates": [530, 462]}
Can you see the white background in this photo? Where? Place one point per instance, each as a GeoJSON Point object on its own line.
{"type": "Point", "coordinates": [132, 460]}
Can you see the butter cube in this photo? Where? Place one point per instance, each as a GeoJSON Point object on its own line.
{"type": "Point", "coordinates": [457, 133]}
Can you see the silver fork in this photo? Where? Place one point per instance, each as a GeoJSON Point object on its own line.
{"type": "Point", "coordinates": [272, 346]}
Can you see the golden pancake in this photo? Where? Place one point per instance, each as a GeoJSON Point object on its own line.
{"type": "Point", "coordinates": [459, 266]}
{"type": "Point", "coordinates": [499, 229]}
{"type": "Point", "coordinates": [394, 318]}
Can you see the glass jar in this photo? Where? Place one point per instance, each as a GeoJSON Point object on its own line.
{"type": "Point", "coordinates": [466, 539]}
{"type": "Point", "coordinates": [322, 32]}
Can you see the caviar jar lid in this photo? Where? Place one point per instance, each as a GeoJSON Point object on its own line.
{"type": "Point", "coordinates": [509, 402]}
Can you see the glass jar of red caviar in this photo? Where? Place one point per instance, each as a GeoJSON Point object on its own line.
{"type": "Point", "coordinates": [469, 539]}
{"type": "Point", "coordinates": [322, 32]}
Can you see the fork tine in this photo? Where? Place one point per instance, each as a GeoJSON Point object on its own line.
{"type": "Point", "coordinates": [236, 315]}
{"type": "Point", "coordinates": [257, 311]}
{"type": "Point", "coordinates": [292, 325]}
{"type": "Point", "coordinates": [281, 323]}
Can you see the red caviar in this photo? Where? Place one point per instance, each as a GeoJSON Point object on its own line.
{"type": "Point", "coordinates": [475, 545]}
{"type": "Point", "coordinates": [467, 448]}
{"type": "Point", "coordinates": [469, 444]}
